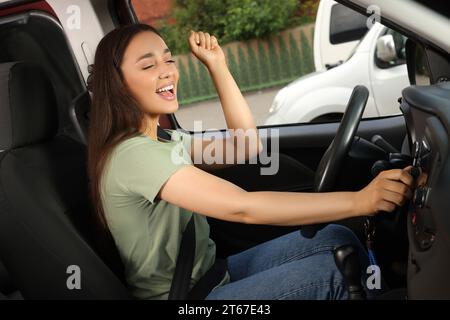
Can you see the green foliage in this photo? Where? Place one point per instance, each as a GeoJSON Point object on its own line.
{"type": "Point", "coordinates": [247, 19]}
{"type": "Point", "coordinates": [255, 77]}
{"type": "Point", "coordinates": [206, 85]}
{"type": "Point", "coordinates": [244, 70]}
{"type": "Point", "coordinates": [263, 62]}
{"type": "Point", "coordinates": [296, 57]}
{"type": "Point", "coordinates": [274, 62]}
{"type": "Point", "coordinates": [285, 59]}
{"type": "Point", "coordinates": [233, 66]}
{"type": "Point", "coordinates": [306, 12]}
{"type": "Point", "coordinates": [184, 85]}
{"type": "Point", "coordinates": [194, 78]}
{"type": "Point", "coordinates": [228, 20]}
{"type": "Point", "coordinates": [280, 64]}
{"type": "Point", "coordinates": [307, 54]}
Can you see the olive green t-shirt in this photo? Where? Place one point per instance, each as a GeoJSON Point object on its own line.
{"type": "Point", "coordinates": [147, 230]}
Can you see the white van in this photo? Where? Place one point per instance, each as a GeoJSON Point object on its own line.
{"type": "Point", "coordinates": [346, 53]}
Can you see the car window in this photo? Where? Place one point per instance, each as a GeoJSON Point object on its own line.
{"type": "Point", "coordinates": [269, 46]}
{"type": "Point", "coordinates": [346, 24]}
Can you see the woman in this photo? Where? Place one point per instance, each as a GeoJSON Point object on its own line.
{"type": "Point", "coordinates": [145, 198]}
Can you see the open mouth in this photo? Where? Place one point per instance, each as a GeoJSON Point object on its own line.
{"type": "Point", "coordinates": [167, 92]}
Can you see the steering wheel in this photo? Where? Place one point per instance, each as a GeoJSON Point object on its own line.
{"type": "Point", "coordinates": [334, 157]}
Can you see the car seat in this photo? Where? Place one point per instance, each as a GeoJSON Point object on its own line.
{"type": "Point", "coordinates": [45, 221]}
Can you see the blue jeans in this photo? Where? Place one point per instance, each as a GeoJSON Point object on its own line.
{"type": "Point", "coordinates": [290, 267]}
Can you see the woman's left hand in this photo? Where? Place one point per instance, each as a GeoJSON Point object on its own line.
{"type": "Point", "coordinates": [206, 48]}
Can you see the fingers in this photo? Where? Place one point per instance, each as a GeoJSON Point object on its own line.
{"type": "Point", "coordinates": [386, 206]}
{"type": "Point", "coordinates": [193, 40]}
{"type": "Point", "coordinates": [407, 169]}
{"type": "Point", "coordinates": [397, 187]}
{"type": "Point", "coordinates": [208, 41]}
{"type": "Point", "coordinates": [214, 42]}
{"type": "Point", "coordinates": [389, 190]}
{"type": "Point", "coordinates": [398, 174]}
{"type": "Point", "coordinates": [197, 38]}
{"type": "Point", "coordinates": [203, 39]}
{"type": "Point", "coordinates": [393, 197]}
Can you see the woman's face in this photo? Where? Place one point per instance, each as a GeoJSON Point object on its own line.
{"type": "Point", "coordinates": [150, 73]}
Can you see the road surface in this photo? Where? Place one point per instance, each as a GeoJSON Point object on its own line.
{"type": "Point", "coordinates": [211, 114]}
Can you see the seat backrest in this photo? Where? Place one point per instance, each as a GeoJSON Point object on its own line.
{"type": "Point", "coordinates": [79, 111]}
{"type": "Point", "coordinates": [45, 227]}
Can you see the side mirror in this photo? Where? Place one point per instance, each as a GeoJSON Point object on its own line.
{"type": "Point", "coordinates": [386, 48]}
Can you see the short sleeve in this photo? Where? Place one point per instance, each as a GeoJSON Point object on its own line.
{"type": "Point", "coordinates": [144, 167]}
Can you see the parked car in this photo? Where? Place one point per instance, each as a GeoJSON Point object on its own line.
{"type": "Point", "coordinates": [346, 53]}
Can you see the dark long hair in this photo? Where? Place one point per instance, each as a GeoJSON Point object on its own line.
{"type": "Point", "coordinates": [115, 115]}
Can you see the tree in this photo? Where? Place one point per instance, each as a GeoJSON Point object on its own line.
{"type": "Point", "coordinates": [246, 19]}
{"type": "Point", "coordinates": [228, 20]}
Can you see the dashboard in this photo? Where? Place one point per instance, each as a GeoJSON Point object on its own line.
{"type": "Point", "coordinates": [427, 115]}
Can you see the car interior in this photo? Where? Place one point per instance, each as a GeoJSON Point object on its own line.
{"type": "Point", "coordinates": [45, 214]}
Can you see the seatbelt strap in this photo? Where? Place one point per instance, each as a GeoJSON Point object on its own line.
{"type": "Point", "coordinates": [185, 261]}
{"type": "Point", "coordinates": [163, 134]}
{"type": "Point", "coordinates": [209, 280]}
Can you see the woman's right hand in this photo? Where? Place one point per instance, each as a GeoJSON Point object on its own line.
{"type": "Point", "coordinates": [387, 191]}
{"type": "Point", "coordinates": [206, 48]}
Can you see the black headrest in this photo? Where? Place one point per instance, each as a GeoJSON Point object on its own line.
{"type": "Point", "coordinates": [28, 107]}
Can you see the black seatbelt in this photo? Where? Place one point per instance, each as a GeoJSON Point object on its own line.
{"type": "Point", "coordinates": [179, 289]}
{"type": "Point", "coordinates": [209, 280]}
{"type": "Point", "coordinates": [163, 133]}
{"type": "Point", "coordinates": [185, 261]}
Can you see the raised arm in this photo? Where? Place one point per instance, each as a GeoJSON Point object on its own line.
{"type": "Point", "coordinates": [236, 110]}
{"type": "Point", "coordinates": [198, 191]}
